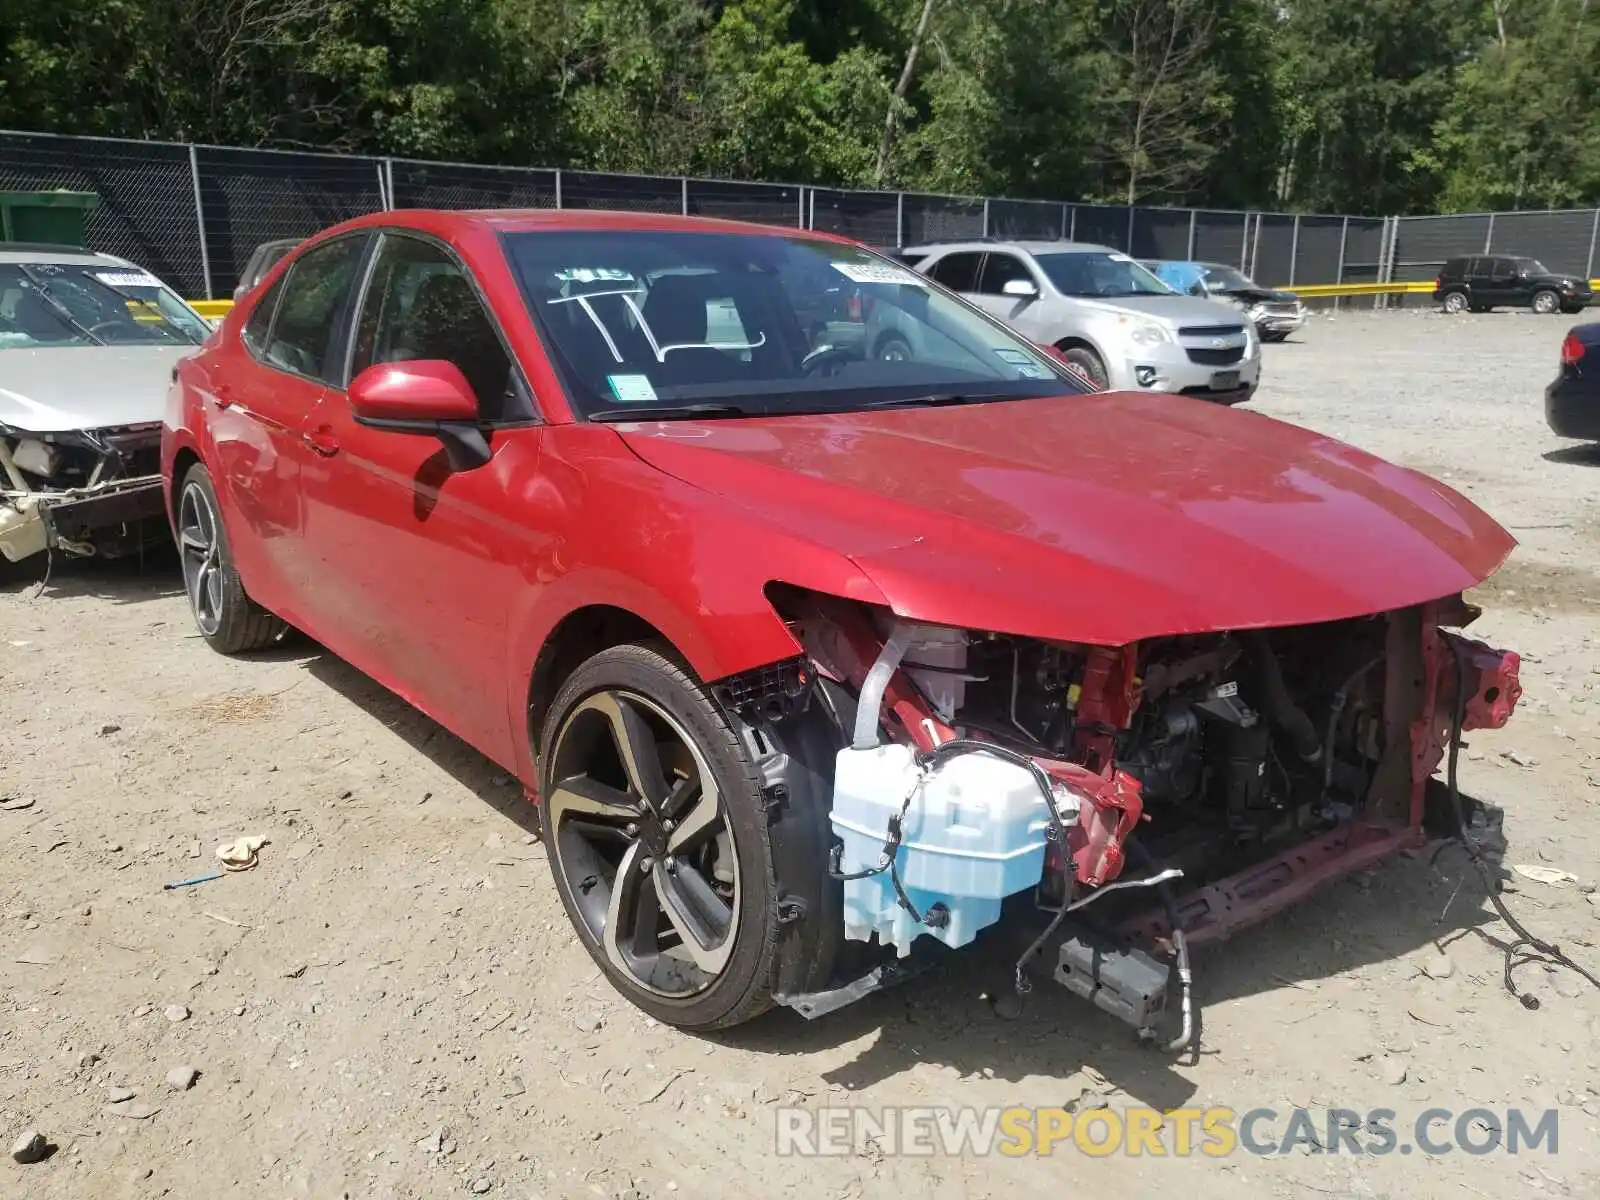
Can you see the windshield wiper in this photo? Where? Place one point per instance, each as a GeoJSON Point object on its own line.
{"type": "Point", "coordinates": [669, 412]}
{"type": "Point", "coordinates": [937, 399]}
{"type": "Point", "coordinates": [151, 306]}
{"type": "Point", "coordinates": [59, 310]}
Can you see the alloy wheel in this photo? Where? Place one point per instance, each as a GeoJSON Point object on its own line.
{"type": "Point", "coordinates": [1455, 302]}
{"type": "Point", "coordinates": [200, 550]}
{"type": "Point", "coordinates": [1545, 302]}
{"type": "Point", "coordinates": [641, 837]}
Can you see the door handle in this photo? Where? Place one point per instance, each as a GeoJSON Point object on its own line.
{"type": "Point", "coordinates": [322, 441]}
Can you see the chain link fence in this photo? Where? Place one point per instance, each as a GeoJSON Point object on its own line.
{"type": "Point", "coordinates": [193, 214]}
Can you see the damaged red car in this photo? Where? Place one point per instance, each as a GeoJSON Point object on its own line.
{"type": "Point", "coordinates": [818, 665]}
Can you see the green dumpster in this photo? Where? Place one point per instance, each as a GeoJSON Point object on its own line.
{"type": "Point", "coordinates": [53, 217]}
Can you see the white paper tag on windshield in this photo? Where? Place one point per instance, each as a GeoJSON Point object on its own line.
{"type": "Point", "coordinates": [878, 273]}
{"type": "Point", "coordinates": [631, 389]}
{"type": "Point", "coordinates": [121, 279]}
{"type": "Point", "coordinates": [1115, 257]}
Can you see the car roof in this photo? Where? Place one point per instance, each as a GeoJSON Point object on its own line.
{"type": "Point", "coordinates": [576, 220]}
{"type": "Point", "coordinates": [1027, 246]}
{"type": "Point", "coordinates": [43, 252]}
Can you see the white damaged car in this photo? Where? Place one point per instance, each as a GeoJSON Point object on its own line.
{"type": "Point", "coordinates": [88, 343]}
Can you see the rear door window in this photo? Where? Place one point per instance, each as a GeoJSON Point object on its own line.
{"type": "Point", "coordinates": [958, 272]}
{"type": "Point", "coordinates": [314, 296]}
{"type": "Point", "coordinates": [259, 325]}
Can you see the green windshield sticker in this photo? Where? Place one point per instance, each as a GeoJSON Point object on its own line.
{"type": "Point", "coordinates": [631, 389]}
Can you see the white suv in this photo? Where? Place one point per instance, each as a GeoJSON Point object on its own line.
{"type": "Point", "coordinates": [1106, 313]}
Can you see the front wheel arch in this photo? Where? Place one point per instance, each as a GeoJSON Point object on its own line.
{"type": "Point", "coordinates": [578, 637]}
{"type": "Point", "coordinates": [182, 462]}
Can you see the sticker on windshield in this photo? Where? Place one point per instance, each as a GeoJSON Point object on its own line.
{"type": "Point", "coordinates": [593, 275]}
{"type": "Point", "coordinates": [1115, 257]}
{"type": "Point", "coordinates": [1031, 372]}
{"type": "Point", "coordinates": [127, 279]}
{"type": "Point", "coordinates": [631, 389]}
{"type": "Point", "coordinates": [1015, 357]}
{"type": "Point", "coordinates": [878, 273]}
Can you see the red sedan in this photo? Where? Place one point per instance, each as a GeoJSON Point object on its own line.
{"type": "Point", "coordinates": [814, 661]}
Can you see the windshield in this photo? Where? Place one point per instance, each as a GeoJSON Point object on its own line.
{"type": "Point", "coordinates": [90, 304]}
{"type": "Point", "coordinates": [759, 324]}
{"type": "Point", "coordinates": [1099, 273]}
{"type": "Point", "coordinates": [1226, 279]}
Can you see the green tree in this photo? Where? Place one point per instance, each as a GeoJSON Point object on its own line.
{"type": "Point", "coordinates": [1520, 128]}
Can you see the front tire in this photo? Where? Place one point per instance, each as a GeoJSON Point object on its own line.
{"type": "Point", "coordinates": [227, 618]}
{"type": "Point", "coordinates": [1546, 302]}
{"type": "Point", "coordinates": [658, 841]}
{"type": "Point", "coordinates": [1089, 363]}
{"type": "Point", "coordinates": [893, 348]}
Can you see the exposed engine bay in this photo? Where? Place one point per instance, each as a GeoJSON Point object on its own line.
{"type": "Point", "coordinates": [1251, 766]}
{"type": "Point", "coordinates": [87, 492]}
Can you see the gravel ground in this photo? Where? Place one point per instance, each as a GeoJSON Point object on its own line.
{"type": "Point", "coordinates": [392, 1005]}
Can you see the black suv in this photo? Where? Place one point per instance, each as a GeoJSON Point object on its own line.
{"type": "Point", "coordinates": [1483, 281]}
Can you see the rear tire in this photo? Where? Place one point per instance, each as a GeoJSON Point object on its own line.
{"type": "Point", "coordinates": [1458, 302]}
{"type": "Point", "coordinates": [227, 618]}
{"type": "Point", "coordinates": [1546, 302]}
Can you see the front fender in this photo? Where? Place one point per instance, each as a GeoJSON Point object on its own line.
{"type": "Point", "coordinates": [689, 564]}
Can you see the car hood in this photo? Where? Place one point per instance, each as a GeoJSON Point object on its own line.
{"type": "Point", "coordinates": [1175, 310]}
{"type": "Point", "coordinates": [1256, 295]}
{"type": "Point", "coordinates": [85, 387]}
{"type": "Point", "coordinates": [1104, 518]}
{"type": "Point", "coordinates": [1565, 281]}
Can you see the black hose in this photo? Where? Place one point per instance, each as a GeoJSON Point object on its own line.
{"type": "Point", "coordinates": [1539, 947]}
{"type": "Point", "coordinates": [1279, 705]}
{"type": "Point", "coordinates": [1335, 711]}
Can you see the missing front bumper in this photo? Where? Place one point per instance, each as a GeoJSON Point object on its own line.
{"type": "Point", "coordinates": [110, 520]}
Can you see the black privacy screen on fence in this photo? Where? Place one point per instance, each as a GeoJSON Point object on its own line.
{"type": "Point", "coordinates": [193, 214]}
{"type": "Point", "coordinates": [252, 196]}
{"type": "Point", "coordinates": [147, 206]}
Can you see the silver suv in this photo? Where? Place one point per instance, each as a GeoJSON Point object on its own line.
{"type": "Point", "coordinates": [1112, 318]}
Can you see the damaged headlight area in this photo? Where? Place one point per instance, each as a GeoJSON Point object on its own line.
{"type": "Point", "coordinates": [83, 492]}
{"type": "Point", "coordinates": [980, 777]}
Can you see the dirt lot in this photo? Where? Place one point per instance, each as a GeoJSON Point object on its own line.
{"type": "Point", "coordinates": [391, 1004]}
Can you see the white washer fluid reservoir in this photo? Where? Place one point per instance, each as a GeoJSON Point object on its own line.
{"type": "Point", "coordinates": [973, 835]}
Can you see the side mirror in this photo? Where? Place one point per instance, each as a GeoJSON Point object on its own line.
{"type": "Point", "coordinates": [1019, 287]}
{"type": "Point", "coordinates": [430, 397]}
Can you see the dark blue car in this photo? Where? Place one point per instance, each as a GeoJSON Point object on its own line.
{"type": "Point", "coordinates": [1572, 401]}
